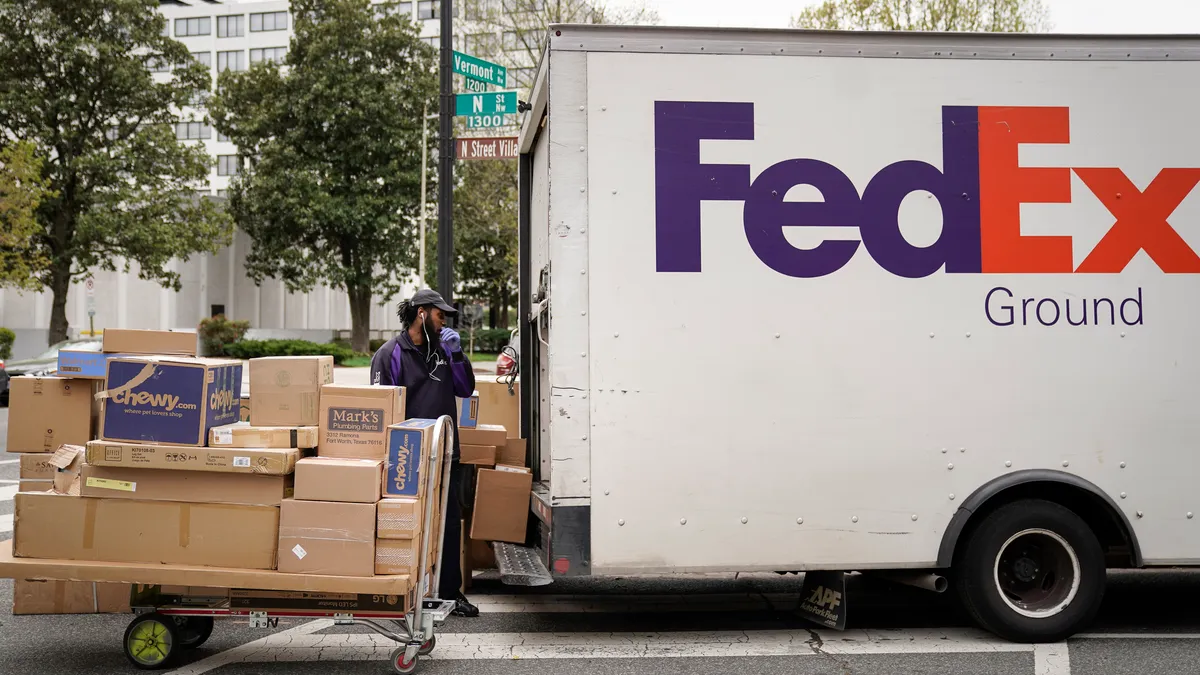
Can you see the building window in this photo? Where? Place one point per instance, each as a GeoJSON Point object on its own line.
{"type": "Point", "coordinates": [223, 194]}
{"type": "Point", "coordinates": [218, 310]}
{"type": "Point", "coordinates": [483, 43]}
{"type": "Point", "coordinates": [227, 165]}
{"type": "Point", "coordinates": [514, 41]}
{"type": "Point", "coordinates": [231, 26]}
{"type": "Point", "coordinates": [393, 8]}
{"type": "Point", "coordinates": [233, 60]}
{"type": "Point", "coordinates": [203, 57]}
{"type": "Point", "coordinates": [190, 27]}
{"type": "Point", "coordinates": [157, 64]}
{"type": "Point", "coordinates": [268, 21]}
{"type": "Point", "coordinates": [192, 131]}
{"type": "Point", "coordinates": [222, 137]}
{"type": "Point", "coordinates": [273, 54]}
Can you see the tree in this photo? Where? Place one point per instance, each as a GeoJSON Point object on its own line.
{"type": "Point", "coordinates": [485, 235]}
{"type": "Point", "coordinates": [22, 189]}
{"type": "Point", "coordinates": [74, 82]}
{"type": "Point", "coordinates": [993, 16]}
{"type": "Point", "coordinates": [332, 140]}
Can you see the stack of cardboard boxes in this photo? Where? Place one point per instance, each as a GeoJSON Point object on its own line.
{"type": "Point", "coordinates": [173, 467]}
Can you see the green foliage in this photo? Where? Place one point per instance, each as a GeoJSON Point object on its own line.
{"type": "Point", "coordinates": [22, 189]}
{"type": "Point", "coordinates": [255, 349]}
{"type": "Point", "coordinates": [333, 190]}
{"type": "Point", "coordinates": [374, 346]}
{"type": "Point", "coordinates": [489, 339]}
{"type": "Point", "coordinates": [75, 84]}
{"type": "Point", "coordinates": [7, 338]}
{"type": "Point", "coordinates": [218, 332]}
{"type": "Point", "coordinates": [994, 16]}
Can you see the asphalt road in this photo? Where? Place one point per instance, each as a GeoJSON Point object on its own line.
{"type": "Point", "coordinates": [619, 626]}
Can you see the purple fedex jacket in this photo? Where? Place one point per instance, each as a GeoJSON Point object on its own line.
{"type": "Point", "coordinates": [401, 363]}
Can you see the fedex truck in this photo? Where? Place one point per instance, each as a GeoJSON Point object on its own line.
{"type": "Point", "coordinates": [916, 304]}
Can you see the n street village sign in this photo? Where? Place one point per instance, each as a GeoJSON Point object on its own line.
{"type": "Point", "coordinates": [503, 147]}
{"type": "Point", "coordinates": [480, 70]}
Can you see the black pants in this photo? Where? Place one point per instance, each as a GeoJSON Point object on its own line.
{"type": "Point", "coordinates": [451, 578]}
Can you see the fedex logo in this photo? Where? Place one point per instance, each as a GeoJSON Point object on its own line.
{"type": "Point", "coordinates": [980, 188]}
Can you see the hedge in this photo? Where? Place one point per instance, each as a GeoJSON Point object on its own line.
{"type": "Point", "coordinates": [7, 338]}
{"type": "Point", "coordinates": [254, 349]}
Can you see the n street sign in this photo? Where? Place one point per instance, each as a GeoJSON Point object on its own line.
{"type": "Point", "coordinates": [492, 103]}
{"type": "Point", "coordinates": [478, 69]}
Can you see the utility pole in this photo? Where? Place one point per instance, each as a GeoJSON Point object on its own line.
{"type": "Point", "coordinates": [446, 157]}
{"type": "Point", "coordinates": [424, 152]}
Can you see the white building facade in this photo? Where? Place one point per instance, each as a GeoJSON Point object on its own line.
{"type": "Point", "coordinates": [228, 34]}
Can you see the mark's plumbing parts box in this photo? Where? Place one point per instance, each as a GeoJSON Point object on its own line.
{"type": "Point", "coordinates": [169, 400]}
{"type": "Point", "coordinates": [355, 419]}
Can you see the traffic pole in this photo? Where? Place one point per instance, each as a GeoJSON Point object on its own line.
{"type": "Point", "coordinates": [446, 158]}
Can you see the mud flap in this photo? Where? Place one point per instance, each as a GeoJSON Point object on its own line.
{"type": "Point", "coordinates": [823, 599]}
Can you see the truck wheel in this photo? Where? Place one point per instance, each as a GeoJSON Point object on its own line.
{"type": "Point", "coordinates": [1032, 571]}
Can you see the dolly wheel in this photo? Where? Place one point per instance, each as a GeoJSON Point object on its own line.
{"type": "Point", "coordinates": [151, 641]}
{"type": "Point", "coordinates": [428, 647]}
{"type": "Point", "coordinates": [193, 630]}
{"type": "Point", "coordinates": [400, 661]}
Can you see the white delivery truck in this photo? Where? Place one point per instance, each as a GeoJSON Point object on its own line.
{"type": "Point", "coordinates": [865, 302]}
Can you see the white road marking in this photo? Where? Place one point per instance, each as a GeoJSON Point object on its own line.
{"type": "Point", "coordinates": [281, 640]}
{"type": "Point", "coordinates": [7, 492]}
{"type": "Point", "coordinates": [633, 604]}
{"type": "Point", "coordinates": [1051, 659]}
{"type": "Point", "coordinates": [6, 523]}
{"type": "Point", "coordinates": [1136, 636]}
{"type": "Point", "coordinates": [9, 461]}
{"type": "Point", "coordinates": [9, 482]}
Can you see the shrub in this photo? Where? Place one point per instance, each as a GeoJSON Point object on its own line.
{"type": "Point", "coordinates": [7, 337]}
{"type": "Point", "coordinates": [218, 333]}
{"type": "Point", "coordinates": [375, 343]}
{"type": "Point", "coordinates": [254, 349]}
{"type": "Point", "coordinates": [490, 340]}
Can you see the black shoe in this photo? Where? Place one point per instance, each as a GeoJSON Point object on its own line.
{"type": "Point", "coordinates": [463, 607]}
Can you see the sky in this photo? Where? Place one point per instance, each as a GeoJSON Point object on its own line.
{"type": "Point", "coordinates": [1066, 16]}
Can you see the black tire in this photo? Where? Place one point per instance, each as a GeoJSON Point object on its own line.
{"type": "Point", "coordinates": [152, 641]}
{"type": "Point", "coordinates": [193, 630]}
{"type": "Point", "coordinates": [1037, 570]}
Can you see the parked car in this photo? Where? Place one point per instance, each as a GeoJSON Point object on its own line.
{"type": "Point", "coordinates": [506, 363]}
{"type": "Point", "coordinates": [44, 364]}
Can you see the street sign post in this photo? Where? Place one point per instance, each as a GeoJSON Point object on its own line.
{"type": "Point", "coordinates": [492, 103]}
{"type": "Point", "coordinates": [497, 147]}
{"type": "Point", "coordinates": [90, 287]}
{"type": "Point", "coordinates": [478, 69]}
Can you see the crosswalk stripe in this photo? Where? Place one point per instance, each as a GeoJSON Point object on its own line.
{"type": "Point", "coordinates": [6, 523]}
{"type": "Point", "coordinates": [9, 461]}
{"type": "Point", "coordinates": [7, 492]}
{"type": "Point", "coordinates": [633, 604]}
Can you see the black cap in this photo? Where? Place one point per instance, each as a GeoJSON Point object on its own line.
{"type": "Point", "coordinates": [428, 296]}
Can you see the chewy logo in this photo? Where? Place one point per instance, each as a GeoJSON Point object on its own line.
{"type": "Point", "coordinates": [167, 402]}
{"type": "Point", "coordinates": [980, 188]}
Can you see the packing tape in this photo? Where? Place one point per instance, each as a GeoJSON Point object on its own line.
{"type": "Point", "coordinates": [95, 600]}
{"type": "Point", "coordinates": [185, 525]}
{"type": "Point", "coordinates": [135, 381]}
{"type": "Point", "coordinates": [89, 522]}
{"type": "Point", "coordinates": [323, 534]}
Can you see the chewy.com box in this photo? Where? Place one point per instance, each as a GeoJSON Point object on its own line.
{"type": "Point", "coordinates": [409, 445]}
{"type": "Point", "coordinates": [169, 400]}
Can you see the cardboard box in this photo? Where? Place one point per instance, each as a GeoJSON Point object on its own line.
{"type": "Point", "coordinates": [35, 485]}
{"type": "Point", "coordinates": [244, 415]}
{"type": "Point", "coordinates": [327, 538]}
{"type": "Point", "coordinates": [484, 434]}
{"type": "Point", "coordinates": [480, 455]}
{"type": "Point", "coordinates": [183, 486]}
{"type": "Point", "coordinates": [398, 518]}
{"type": "Point", "coordinates": [397, 556]}
{"type": "Point", "coordinates": [36, 467]}
{"type": "Point", "coordinates": [46, 412]}
{"type": "Point", "coordinates": [49, 525]}
{"type": "Point", "coordinates": [169, 400]}
{"type": "Point", "coordinates": [501, 504]}
{"type": "Point", "coordinates": [150, 342]}
{"type": "Point", "coordinates": [512, 453]}
{"type": "Point", "coordinates": [286, 390]}
{"type": "Point", "coordinates": [468, 411]}
{"type": "Point", "coordinates": [497, 406]}
{"type": "Point", "coordinates": [243, 435]}
{"type": "Point", "coordinates": [480, 554]}
{"type": "Point", "coordinates": [68, 462]}
{"type": "Point", "coordinates": [409, 445]}
{"type": "Point", "coordinates": [355, 420]}
{"type": "Point", "coordinates": [265, 461]}
{"type": "Point", "coordinates": [84, 365]}
{"type": "Point", "coordinates": [38, 596]}
{"type": "Point", "coordinates": [334, 479]}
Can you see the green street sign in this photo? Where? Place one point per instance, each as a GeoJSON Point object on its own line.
{"type": "Point", "coordinates": [492, 103]}
{"type": "Point", "coordinates": [478, 86]}
{"type": "Point", "coordinates": [478, 69]}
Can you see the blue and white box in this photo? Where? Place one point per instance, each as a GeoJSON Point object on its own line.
{"type": "Point", "coordinates": [409, 445]}
{"type": "Point", "coordinates": [468, 411]}
{"type": "Point", "coordinates": [169, 400]}
{"type": "Point", "coordinates": [84, 365]}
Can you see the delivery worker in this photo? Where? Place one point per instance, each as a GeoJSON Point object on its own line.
{"type": "Point", "coordinates": [427, 359]}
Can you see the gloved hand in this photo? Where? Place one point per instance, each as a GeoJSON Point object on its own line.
{"type": "Point", "coordinates": [451, 340]}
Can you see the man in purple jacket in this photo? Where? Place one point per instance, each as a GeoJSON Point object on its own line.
{"type": "Point", "coordinates": [426, 358]}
